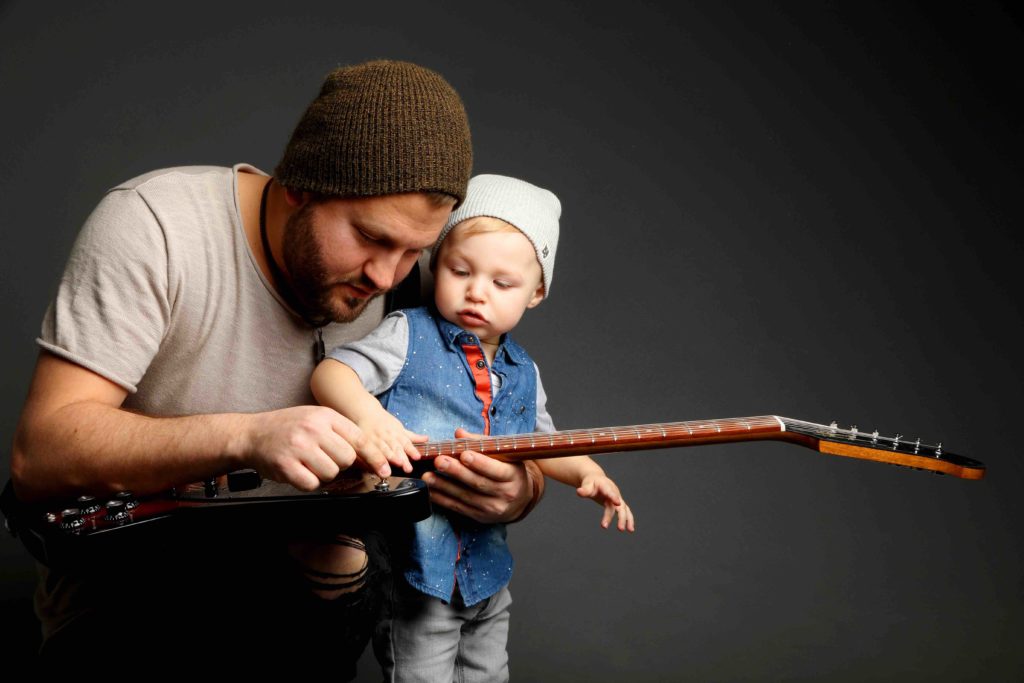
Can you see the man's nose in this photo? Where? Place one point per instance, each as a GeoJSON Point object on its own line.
{"type": "Point", "coordinates": [382, 269]}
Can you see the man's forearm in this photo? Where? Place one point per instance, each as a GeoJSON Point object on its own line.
{"type": "Point", "coordinates": [74, 437]}
{"type": "Point", "coordinates": [90, 447]}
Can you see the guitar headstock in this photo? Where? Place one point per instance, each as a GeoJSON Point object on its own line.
{"type": "Point", "coordinates": [895, 449]}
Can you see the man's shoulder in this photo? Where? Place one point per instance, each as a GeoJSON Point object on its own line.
{"type": "Point", "coordinates": [174, 175]}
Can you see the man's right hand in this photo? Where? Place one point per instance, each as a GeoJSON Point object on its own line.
{"type": "Point", "coordinates": [308, 445]}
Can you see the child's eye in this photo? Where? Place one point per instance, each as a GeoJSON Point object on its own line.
{"type": "Point", "coordinates": [502, 284]}
{"type": "Point", "coordinates": [459, 272]}
{"type": "Point", "coordinates": [368, 237]}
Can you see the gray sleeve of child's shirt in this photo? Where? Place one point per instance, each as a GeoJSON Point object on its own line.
{"type": "Point", "coordinates": [378, 357]}
{"type": "Point", "coordinates": [544, 421]}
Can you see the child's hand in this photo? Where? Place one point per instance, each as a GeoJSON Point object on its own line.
{"type": "Point", "coordinates": [384, 431]}
{"type": "Point", "coordinates": [604, 492]}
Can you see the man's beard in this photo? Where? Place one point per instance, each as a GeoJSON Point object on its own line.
{"type": "Point", "coordinates": [307, 275]}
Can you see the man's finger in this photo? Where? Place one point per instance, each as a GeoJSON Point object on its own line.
{"type": "Point", "coordinates": [479, 464]}
{"type": "Point", "coordinates": [461, 504]}
{"type": "Point", "coordinates": [337, 449]}
{"type": "Point", "coordinates": [353, 437]}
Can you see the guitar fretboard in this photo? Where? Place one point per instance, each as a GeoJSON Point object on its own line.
{"type": "Point", "coordinates": [539, 445]}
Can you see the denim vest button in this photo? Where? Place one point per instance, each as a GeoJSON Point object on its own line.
{"type": "Point", "coordinates": [481, 364]}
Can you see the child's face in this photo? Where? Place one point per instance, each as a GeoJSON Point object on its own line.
{"type": "Point", "coordinates": [484, 282]}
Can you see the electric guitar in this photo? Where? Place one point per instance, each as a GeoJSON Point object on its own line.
{"type": "Point", "coordinates": [829, 439]}
{"type": "Point", "coordinates": [244, 501]}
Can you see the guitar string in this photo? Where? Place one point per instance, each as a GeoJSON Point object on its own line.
{"type": "Point", "coordinates": [666, 431]}
{"type": "Point", "coordinates": [601, 436]}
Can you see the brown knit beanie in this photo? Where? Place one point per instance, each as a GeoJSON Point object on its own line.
{"type": "Point", "coordinates": [379, 128]}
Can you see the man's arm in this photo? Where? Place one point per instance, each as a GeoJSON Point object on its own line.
{"type": "Point", "coordinates": [73, 437]}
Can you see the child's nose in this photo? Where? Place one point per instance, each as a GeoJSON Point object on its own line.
{"type": "Point", "coordinates": [474, 289]}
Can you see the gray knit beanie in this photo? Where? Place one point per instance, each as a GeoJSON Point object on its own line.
{"type": "Point", "coordinates": [533, 210]}
{"type": "Point", "coordinates": [380, 128]}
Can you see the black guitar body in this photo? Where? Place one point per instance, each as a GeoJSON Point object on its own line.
{"type": "Point", "coordinates": [120, 531]}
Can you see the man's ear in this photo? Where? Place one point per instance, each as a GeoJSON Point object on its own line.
{"type": "Point", "coordinates": [538, 296]}
{"type": "Point", "coordinates": [295, 198]}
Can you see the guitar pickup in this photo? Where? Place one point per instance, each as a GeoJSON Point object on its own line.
{"type": "Point", "coordinates": [244, 480]}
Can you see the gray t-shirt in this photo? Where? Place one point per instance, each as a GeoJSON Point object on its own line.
{"type": "Point", "coordinates": [378, 359]}
{"type": "Point", "coordinates": [163, 296]}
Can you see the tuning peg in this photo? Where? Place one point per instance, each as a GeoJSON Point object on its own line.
{"type": "Point", "coordinates": [938, 450]}
{"type": "Point", "coordinates": [853, 432]}
{"type": "Point", "coordinates": [833, 426]}
{"type": "Point", "coordinates": [874, 437]}
{"type": "Point", "coordinates": [896, 440]}
{"type": "Point", "coordinates": [917, 445]}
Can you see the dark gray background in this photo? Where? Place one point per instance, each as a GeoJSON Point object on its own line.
{"type": "Point", "coordinates": [808, 209]}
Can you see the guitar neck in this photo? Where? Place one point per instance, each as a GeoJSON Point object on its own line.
{"type": "Point", "coordinates": [824, 439]}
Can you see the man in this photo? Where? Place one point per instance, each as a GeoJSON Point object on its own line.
{"type": "Point", "coordinates": [178, 348]}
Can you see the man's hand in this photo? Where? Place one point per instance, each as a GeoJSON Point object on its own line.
{"type": "Point", "coordinates": [481, 488]}
{"type": "Point", "coordinates": [308, 445]}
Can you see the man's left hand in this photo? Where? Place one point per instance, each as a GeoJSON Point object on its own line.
{"type": "Point", "coordinates": [481, 488]}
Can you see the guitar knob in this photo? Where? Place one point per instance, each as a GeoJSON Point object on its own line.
{"type": "Point", "coordinates": [71, 520]}
{"type": "Point", "coordinates": [128, 498]}
{"type": "Point", "coordinates": [88, 505]}
{"type": "Point", "coordinates": [116, 512]}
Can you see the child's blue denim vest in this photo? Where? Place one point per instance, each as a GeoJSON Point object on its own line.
{"type": "Point", "coordinates": [433, 395]}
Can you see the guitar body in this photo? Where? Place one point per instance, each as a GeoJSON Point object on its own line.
{"type": "Point", "coordinates": [122, 530]}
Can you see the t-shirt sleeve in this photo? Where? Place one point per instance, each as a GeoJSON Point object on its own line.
{"type": "Point", "coordinates": [112, 306]}
{"type": "Point", "coordinates": [378, 357]}
{"type": "Point", "coordinates": [544, 421]}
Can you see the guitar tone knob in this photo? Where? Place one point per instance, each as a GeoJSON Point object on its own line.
{"type": "Point", "coordinates": [116, 513]}
{"type": "Point", "coordinates": [88, 505]}
{"type": "Point", "coordinates": [71, 520]}
{"type": "Point", "coordinates": [128, 498]}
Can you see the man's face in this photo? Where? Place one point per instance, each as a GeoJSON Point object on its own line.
{"type": "Point", "coordinates": [341, 253]}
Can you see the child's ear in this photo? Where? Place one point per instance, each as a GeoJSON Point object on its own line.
{"type": "Point", "coordinates": [538, 296]}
